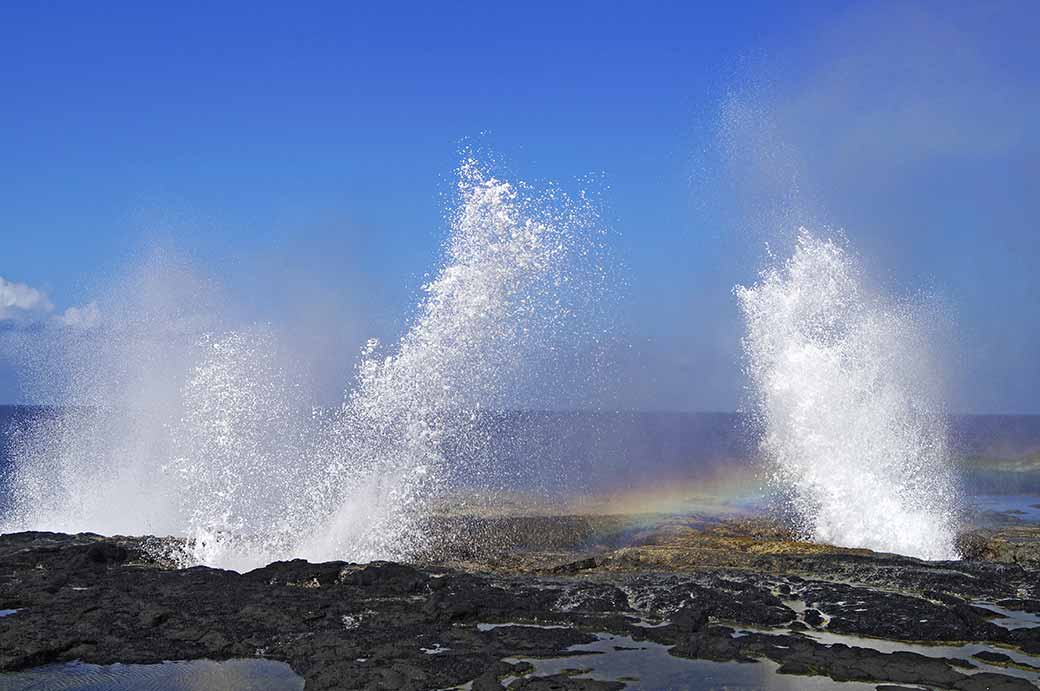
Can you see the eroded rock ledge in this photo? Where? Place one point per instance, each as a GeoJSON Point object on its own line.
{"type": "Point", "coordinates": [713, 593]}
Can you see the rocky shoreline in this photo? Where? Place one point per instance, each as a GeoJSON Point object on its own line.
{"type": "Point", "coordinates": [737, 592]}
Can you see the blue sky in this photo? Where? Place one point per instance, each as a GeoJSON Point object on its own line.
{"type": "Point", "coordinates": [302, 157]}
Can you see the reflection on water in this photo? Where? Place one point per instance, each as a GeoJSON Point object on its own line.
{"type": "Point", "coordinates": [962, 652]}
{"type": "Point", "coordinates": [1030, 665]}
{"type": "Point", "coordinates": [1011, 618]}
{"type": "Point", "coordinates": [489, 627]}
{"type": "Point", "coordinates": [647, 665]}
{"type": "Point", "coordinates": [194, 675]}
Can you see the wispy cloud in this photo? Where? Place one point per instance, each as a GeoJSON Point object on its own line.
{"type": "Point", "coordinates": [20, 301]}
{"type": "Point", "coordinates": [880, 95]}
{"type": "Point", "coordinates": [24, 308]}
{"type": "Point", "coordinates": [912, 130]}
{"type": "Point", "coordinates": [85, 317]}
{"type": "Point", "coordinates": [898, 85]}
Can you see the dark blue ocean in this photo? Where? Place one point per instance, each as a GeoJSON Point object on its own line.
{"type": "Point", "coordinates": [998, 456]}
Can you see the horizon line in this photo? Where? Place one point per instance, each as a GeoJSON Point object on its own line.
{"type": "Point", "coordinates": [615, 411]}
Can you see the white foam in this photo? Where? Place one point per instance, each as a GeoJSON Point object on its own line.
{"type": "Point", "coordinates": [192, 428]}
{"type": "Point", "coordinates": [844, 390]}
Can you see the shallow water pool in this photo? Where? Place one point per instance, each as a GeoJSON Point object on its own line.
{"type": "Point", "coordinates": [191, 675]}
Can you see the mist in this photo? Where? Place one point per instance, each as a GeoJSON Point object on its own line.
{"type": "Point", "coordinates": [907, 130]}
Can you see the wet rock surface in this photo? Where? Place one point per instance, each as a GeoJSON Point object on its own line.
{"type": "Point", "coordinates": [437, 626]}
{"type": "Point", "coordinates": [1016, 544]}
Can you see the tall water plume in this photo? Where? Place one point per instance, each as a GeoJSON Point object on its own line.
{"type": "Point", "coordinates": [500, 296]}
{"type": "Point", "coordinates": [189, 425]}
{"type": "Point", "coordinates": [845, 390]}
{"type": "Point", "coordinates": [101, 464]}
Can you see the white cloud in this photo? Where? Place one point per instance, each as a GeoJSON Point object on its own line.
{"type": "Point", "coordinates": [21, 305]}
{"type": "Point", "coordinates": [81, 317]}
{"type": "Point", "coordinates": [20, 301]}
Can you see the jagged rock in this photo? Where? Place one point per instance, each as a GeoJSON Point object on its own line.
{"type": "Point", "coordinates": [559, 682]}
{"type": "Point", "coordinates": [388, 625]}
